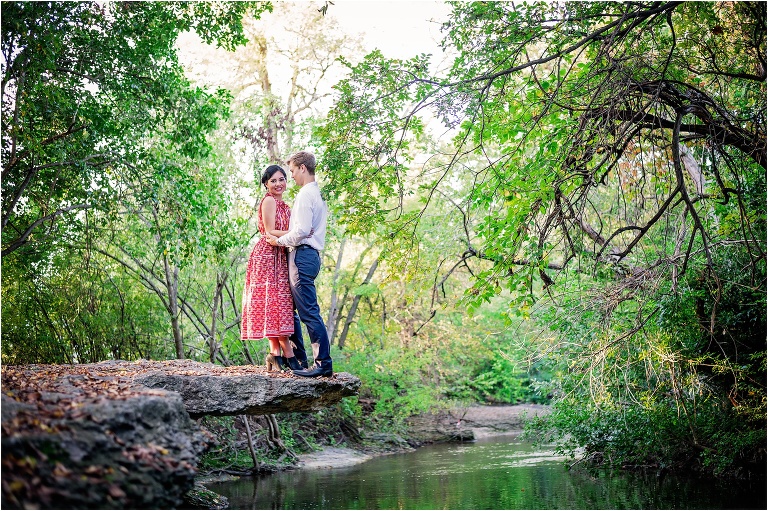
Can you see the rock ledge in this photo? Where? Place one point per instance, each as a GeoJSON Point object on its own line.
{"type": "Point", "coordinates": [119, 435]}
{"type": "Point", "coordinates": [207, 389]}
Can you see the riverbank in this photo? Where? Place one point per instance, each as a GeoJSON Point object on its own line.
{"type": "Point", "coordinates": [479, 421]}
{"type": "Point", "coordinates": [457, 424]}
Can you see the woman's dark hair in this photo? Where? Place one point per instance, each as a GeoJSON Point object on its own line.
{"type": "Point", "coordinates": [271, 171]}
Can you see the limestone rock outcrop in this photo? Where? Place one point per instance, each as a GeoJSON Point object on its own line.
{"type": "Point", "coordinates": [214, 390]}
{"type": "Point", "coordinates": [120, 435]}
{"type": "Point", "coordinates": [70, 448]}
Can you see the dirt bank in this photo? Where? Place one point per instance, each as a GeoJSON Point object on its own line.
{"type": "Point", "coordinates": [494, 420]}
{"type": "Point", "coordinates": [460, 423]}
{"type": "Point", "coordinates": [333, 457]}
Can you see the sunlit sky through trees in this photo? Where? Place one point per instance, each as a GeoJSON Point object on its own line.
{"type": "Point", "coordinates": [398, 28]}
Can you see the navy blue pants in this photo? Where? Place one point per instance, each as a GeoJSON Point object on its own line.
{"type": "Point", "coordinates": [303, 269]}
{"type": "Point", "coordinates": [297, 339]}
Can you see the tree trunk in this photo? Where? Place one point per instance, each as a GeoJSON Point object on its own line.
{"type": "Point", "coordinates": [256, 464]}
{"type": "Point", "coordinates": [333, 310]}
{"type": "Point", "coordinates": [272, 108]}
{"type": "Point", "coordinates": [404, 318]}
{"type": "Point", "coordinates": [355, 302]}
{"type": "Point", "coordinates": [383, 322]}
{"type": "Point", "coordinates": [217, 299]}
{"type": "Point", "coordinates": [172, 284]}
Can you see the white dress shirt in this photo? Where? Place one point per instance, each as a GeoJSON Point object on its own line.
{"type": "Point", "coordinates": [308, 214]}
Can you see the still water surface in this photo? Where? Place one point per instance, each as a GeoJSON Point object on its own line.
{"type": "Point", "coordinates": [495, 473]}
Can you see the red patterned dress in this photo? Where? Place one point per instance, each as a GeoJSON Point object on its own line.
{"type": "Point", "coordinates": [267, 300]}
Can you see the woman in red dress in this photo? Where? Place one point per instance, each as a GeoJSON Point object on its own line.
{"type": "Point", "coordinates": [267, 300]}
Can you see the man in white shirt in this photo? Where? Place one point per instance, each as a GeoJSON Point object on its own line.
{"type": "Point", "coordinates": [306, 239]}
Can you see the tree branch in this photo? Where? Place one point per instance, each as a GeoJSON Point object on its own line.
{"type": "Point", "coordinates": [21, 240]}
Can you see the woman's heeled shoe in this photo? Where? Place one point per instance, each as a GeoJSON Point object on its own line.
{"type": "Point", "coordinates": [275, 363]}
{"type": "Point", "coordinates": [293, 363]}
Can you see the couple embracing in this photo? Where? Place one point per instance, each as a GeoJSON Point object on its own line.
{"type": "Point", "coordinates": [280, 278]}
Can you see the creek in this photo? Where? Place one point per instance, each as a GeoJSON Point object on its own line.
{"type": "Point", "coordinates": [500, 472]}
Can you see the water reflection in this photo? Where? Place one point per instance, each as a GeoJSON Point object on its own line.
{"type": "Point", "coordinates": [496, 473]}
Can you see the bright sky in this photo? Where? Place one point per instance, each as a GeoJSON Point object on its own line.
{"type": "Point", "coordinates": [400, 28]}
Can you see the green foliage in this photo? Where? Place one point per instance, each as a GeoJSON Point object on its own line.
{"type": "Point", "coordinates": [594, 231]}
{"type": "Point", "coordinates": [384, 148]}
{"type": "Point", "coordinates": [106, 159]}
{"type": "Point", "coordinates": [694, 399]}
{"type": "Point", "coordinates": [500, 380]}
{"type": "Point", "coordinates": [454, 359]}
{"type": "Point", "coordinates": [655, 435]}
{"type": "Point", "coordinates": [90, 93]}
{"type": "Point", "coordinates": [68, 308]}
{"type": "Point", "coordinates": [607, 179]}
{"type": "Point", "coordinates": [228, 449]}
{"type": "Point", "coordinates": [393, 379]}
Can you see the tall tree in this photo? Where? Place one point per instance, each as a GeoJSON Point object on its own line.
{"type": "Point", "coordinates": [281, 79]}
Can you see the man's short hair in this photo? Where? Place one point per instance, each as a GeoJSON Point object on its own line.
{"type": "Point", "coordinates": [303, 158]}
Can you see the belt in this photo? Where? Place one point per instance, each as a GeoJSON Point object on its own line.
{"type": "Point", "coordinates": [301, 247]}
